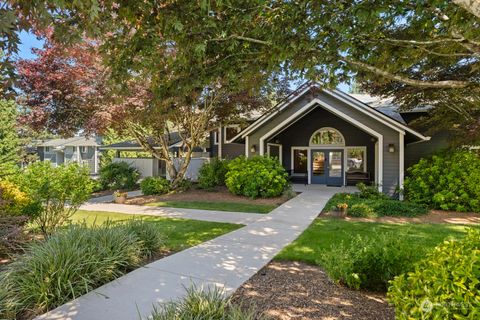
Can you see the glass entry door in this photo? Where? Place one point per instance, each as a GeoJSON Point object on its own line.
{"type": "Point", "coordinates": [327, 167]}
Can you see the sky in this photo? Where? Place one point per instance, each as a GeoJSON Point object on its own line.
{"type": "Point", "coordinates": [29, 41]}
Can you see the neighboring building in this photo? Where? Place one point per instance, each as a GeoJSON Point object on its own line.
{"type": "Point", "coordinates": [329, 137]}
{"type": "Point", "coordinates": [77, 149]}
{"type": "Point", "coordinates": [128, 151]}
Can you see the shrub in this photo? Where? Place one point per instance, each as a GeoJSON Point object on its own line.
{"type": "Point", "coordinates": [256, 177]}
{"type": "Point", "coordinates": [369, 262]}
{"type": "Point", "coordinates": [203, 304]}
{"type": "Point", "coordinates": [359, 206]}
{"type": "Point", "coordinates": [212, 174]}
{"type": "Point", "coordinates": [370, 192]}
{"type": "Point", "coordinates": [119, 175]}
{"type": "Point", "coordinates": [154, 185]}
{"type": "Point", "coordinates": [60, 191]}
{"type": "Point", "coordinates": [152, 240]}
{"type": "Point", "coordinates": [185, 185]}
{"type": "Point", "coordinates": [450, 181]}
{"type": "Point", "coordinates": [445, 285]}
{"type": "Point", "coordinates": [14, 202]}
{"type": "Point", "coordinates": [71, 263]}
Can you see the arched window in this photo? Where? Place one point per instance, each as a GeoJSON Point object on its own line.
{"type": "Point", "coordinates": [327, 137]}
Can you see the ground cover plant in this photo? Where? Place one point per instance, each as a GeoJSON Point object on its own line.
{"type": "Point", "coordinates": [449, 181]}
{"type": "Point", "coordinates": [444, 285]}
{"type": "Point", "coordinates": [255, 177]}
{"type": "Point", "coordinates": [73, 262]}
{"type": "Point", "coordinates": [211, 304]}
{"type": "Point", "coordinates": [219, 206]}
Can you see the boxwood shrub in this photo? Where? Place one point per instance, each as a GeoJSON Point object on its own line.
{"type": "Point", "coordinates": [450, 181]}
{"type": "Point", "coordinates": [73, 262]}
{"type": "Point", "coordinates": [154, 185]}
{"type": "Point", "coordinates": [369, 262]}
{"type": "Point", "coordinates": [256, 177]}
{"type": "Point", "coordinates": [445, 285]}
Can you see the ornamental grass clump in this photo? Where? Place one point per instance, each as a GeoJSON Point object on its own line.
{"type": "Point", "coordinates": [71, 263]}
{"type": "Point", "coordinates": [209, 304]}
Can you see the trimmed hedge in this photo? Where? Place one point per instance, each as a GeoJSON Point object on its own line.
{"type": "Point", "coordinates": [449, 181]}
{"type": "Point", "coordinates": [445, 285]}
{"type": "Point", "coordinates": [154, 185]}
{"type": "Point", "coordinates": [256, 177]}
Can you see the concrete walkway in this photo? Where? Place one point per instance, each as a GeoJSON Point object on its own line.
{"type": "Point", "coordinates": [227, 262]}
{"type": "Point", "coordinates": [109, 198]}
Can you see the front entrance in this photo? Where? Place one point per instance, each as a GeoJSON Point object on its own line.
{"type": "Point", "coordinates": [327, 167]}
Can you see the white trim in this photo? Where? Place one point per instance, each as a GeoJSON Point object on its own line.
{"type": "Point", "coordinates": [95, 161]}
{"type": "Point", "coordinates": [268, 116]}
{"type": "Point", "coordinates": [83, 149]}
{"type": "Point", "coordinates": [401, 164]}
{"type": "Point", "coordinates": [46, 149]}
{"type": "Point", "coordinates": [376, 161]}
{"type": "Point", "coordinates": [375, 114]}
{"type": "Point", "coordinates": [280, 150]}
{"type": "Point", "coordinates": [326, 145]}
{"type": "Point", "coordinates": [225, 132]}
{"type": "Point", "coordinates": [220, 142]}
{"type": "Point", "coordinates": [247, 147]}
{"type": "Point", "coordinates": [292, 157]}
{"type": "Point", "coordinates": [340, 114]}
{"type": "Point", "coordinates": [215, 137]}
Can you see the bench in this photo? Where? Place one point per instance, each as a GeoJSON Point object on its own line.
{"type": "Point", "coordinates": [354, 177]}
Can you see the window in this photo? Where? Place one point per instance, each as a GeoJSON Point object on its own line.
{"type": "Point", "coordinates": [327, 136]}
{"type": "Point", "coordinates": [356, 159]}
{"type": "Point", "coordinates": [83, 149]}
{"type": "Point", "coordinates": [299, 161]}
{"type": "Point", "coordinates": [215, 137]}
{"type": "Point", "coordinates": [47, 149]}
{"type": "Point", "coordinates": [275, 150]}
{"type": "Point", "coordinates": [230, 132]}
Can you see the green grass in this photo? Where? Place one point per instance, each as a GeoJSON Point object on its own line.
{"type": "Point", "coordinates": [180, 233]}
{"type": "Point", "coordinates": [219, 206]}
{"type": "Point", "coordinates": [323, 233]}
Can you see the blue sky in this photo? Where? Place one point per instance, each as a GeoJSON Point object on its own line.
{"type": "Point", "coordinates": [29, 41]}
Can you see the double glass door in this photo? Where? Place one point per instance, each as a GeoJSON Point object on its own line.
{"type": "Point", "coordinates": [327, 167]}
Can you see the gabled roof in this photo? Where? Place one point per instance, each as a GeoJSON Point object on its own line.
{"type": "Point", "coordinates": [72, 142]}
{"type": "Point", "coordinates": [394, 122]}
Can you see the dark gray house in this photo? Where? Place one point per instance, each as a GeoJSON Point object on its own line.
{"type": "Point", "coordinates": [324, 136]}
{"type": "Point", "coordinates": [77, 149]}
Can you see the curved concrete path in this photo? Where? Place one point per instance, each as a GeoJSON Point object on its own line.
{"type": "Point", "coordinates": [227, 262]}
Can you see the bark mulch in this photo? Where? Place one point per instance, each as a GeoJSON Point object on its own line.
{"type": "Point", "coordinates": [295, 290]}
{"type": "Point", "coordinates": [220, 194]}
{"type": "Point", "coordinates": [434, 216]}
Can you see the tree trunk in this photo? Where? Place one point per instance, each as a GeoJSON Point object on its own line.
{"type": "Point", "coordinates": [182, 170]}
{"type": "Point", "coordinates": [472, 6]}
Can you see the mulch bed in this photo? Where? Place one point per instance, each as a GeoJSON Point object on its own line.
{"type": "Point", "coordinates": [220, 194]}
{"type": "Point", "coordinates": [434, 216]}
{"type": "Point", "coordinates": [294, 290]}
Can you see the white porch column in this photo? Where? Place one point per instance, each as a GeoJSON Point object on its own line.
{"type": "Point", "coordinates": [95, 161]}
{"type": "Point", "coordinates": [401, 155]}
{"type": "Point", "coordinates": [79, 156]}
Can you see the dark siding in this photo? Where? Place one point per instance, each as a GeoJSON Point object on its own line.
{"type": "Point", "coordinates": [300, 132]}
{"type": "Point", "coordinates": [233, 150]}
{"type": "Point", "coordinates": [41, 154]}
{"type": "Point", "coordinates": [414, 152]}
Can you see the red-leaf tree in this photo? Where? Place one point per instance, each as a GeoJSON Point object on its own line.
{"type": "Point", "coordinates": [67, 89]}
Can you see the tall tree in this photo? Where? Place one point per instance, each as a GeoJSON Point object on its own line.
{"type": "Point", "coordinates": [9, 141]}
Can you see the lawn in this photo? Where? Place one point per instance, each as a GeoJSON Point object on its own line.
{"type": "Point", "coordinates": [219, 206]}
{"type": "Point", "coordinates": [323, 233]}
{"type": "Point", "coordinates": [180, 233]}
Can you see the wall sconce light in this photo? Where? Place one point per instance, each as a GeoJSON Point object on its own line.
{"type": "Point", "coordinates": [277, 141]}
{"type": "Point", "coordinates": [253, 149]}
{"type": "Point", "coordinates": [391, 148]}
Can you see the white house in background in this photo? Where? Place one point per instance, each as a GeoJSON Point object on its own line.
{"type": "Point", "coordinates": [77, 149]}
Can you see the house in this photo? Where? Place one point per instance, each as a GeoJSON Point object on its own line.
{"type": "Point", "coordinates": [324, 136]}
{"type": "Point", "coordinates": [77, 149]}
{"type": "Point", "coordinates": [132, 153]}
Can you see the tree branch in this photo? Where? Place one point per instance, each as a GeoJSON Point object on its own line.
{"type": "Point", "coordinates": [441, 84]}
{"type": "Point", "coordinates": [472, 6]}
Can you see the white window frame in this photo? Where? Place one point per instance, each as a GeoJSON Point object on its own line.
{"type": "Point", "coordinates": [225, 132]}
{"type": "Point", "coordinates": [364, 148]}
{"type": "Point", "coordinates": [280, 147]}
{"type": "Point", "coordinates": [327, 145]}
{"type": "Point", "coordinates": [83, 149]}
{"type": "Point", "coordinates": [292, 164]}
{"type": "Point", "coordinates": [215, 137]}
{"type": "Point", "coordinates": [47, 149]}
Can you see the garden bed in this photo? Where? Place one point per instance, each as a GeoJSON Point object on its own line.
{"type": "Point", "coordinates": [226, 200]}
{"type": "Point", "coordinates": [294, 290]}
